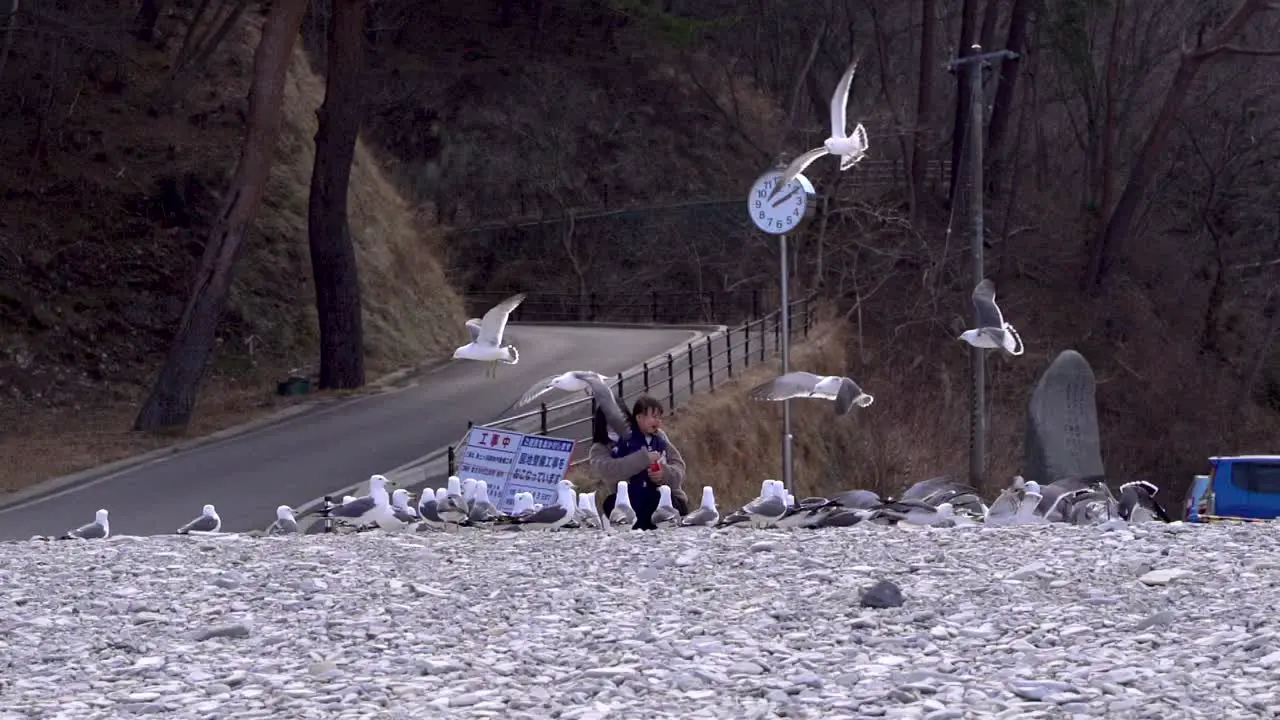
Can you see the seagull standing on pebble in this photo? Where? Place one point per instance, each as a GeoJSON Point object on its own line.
{"type": "Point", "coordinates": [623, 513]}
{"type": "Point", "coordinates": [99, 529]}
{"type": "Point", "coordinates": [208, 522]}
{"type": "Point", "coordinates": [285, 524]}
{"type": "Point", "coordinates": [706, 514]}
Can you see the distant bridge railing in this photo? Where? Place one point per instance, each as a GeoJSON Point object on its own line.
{"type": "Point", "coordinates": [666, 308]}
{"type": "Point", "coordinates": [672, 379]}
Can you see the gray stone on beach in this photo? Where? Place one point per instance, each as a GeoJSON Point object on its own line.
{"type": "Point", "coordinates": [1062, 436]}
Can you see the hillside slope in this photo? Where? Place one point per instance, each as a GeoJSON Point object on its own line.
{"type": "Point", "coordinates": [106, 208]}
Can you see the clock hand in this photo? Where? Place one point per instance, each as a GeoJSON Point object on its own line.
{"type": "Point", "coordinates": [786, 197]}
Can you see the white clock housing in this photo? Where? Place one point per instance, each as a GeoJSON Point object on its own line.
{"type": "Point", "coordinates": [785, 211]}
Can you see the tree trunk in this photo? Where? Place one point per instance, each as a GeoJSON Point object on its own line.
{"type": "Point", "coordinates": [173, 397]}
{"type": "Point", "coordinates": [924, 102]}
{"type": "Point", "coordinates": [968, 23]}
{"type": "Point", "coordinates": [1002, 106]}
{"type": "Point", "coordinates": [1107, 167]}
{"type": "Point", "coordinates": [144, 22]}
{"type": "Point", "coordinates": [1106, 247]}
{"type": "Point", "coordinates": [333, 257]}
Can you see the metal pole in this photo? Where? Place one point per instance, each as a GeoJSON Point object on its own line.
{"type": "Point", "coordinates": [978, 399]}
{"type": "Point", "coordinates": [978, 358]}
{"type": "Point", "coordinates": [786, 365]}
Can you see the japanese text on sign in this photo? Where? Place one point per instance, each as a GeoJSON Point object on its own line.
{"type": "Point", "coordinates": [512, 462]}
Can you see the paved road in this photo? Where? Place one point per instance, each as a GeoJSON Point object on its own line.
{"type": "Point", "coordinates": [335, 445]}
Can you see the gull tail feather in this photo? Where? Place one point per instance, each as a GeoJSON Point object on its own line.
{"type": "Point", "coordinates": [1017, 339]}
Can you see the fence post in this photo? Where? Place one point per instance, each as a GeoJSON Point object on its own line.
{"type": "Point", "coordinates": [324, 511]}
{"type": "Point", "coordinates": [777, 331]}
{"type": "Point", "coordinates": [755, 304]}
{"type": "Point", "coordinates": [542, 418]}
{"type": "Point", "coordinates": [764, 342]}
{"type": "Point", "coordinates": [746, 346]}
{"type": "Point", "coordinates": [728, 349]}
{"type": "Point", "coordinates": [646, 377]}
{"type": "Point", "coordinates": [653, 305]}
{"type": "Point", "coordinates": [671, 382]}
{"type": "Point", "coordinates": [453, 461]}
{"type": "Point", "coordinates": [713, 306]}
{"type": "Point", "coordinates": [689, 359]}
{"type": "Point", "coordinates": [711, 368]}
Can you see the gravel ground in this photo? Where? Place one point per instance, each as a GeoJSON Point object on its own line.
{"type": "Point", "coordinates": [1020, 622]}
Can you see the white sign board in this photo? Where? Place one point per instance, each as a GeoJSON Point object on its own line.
{"type": "Point", "coordinates": [512, 462]}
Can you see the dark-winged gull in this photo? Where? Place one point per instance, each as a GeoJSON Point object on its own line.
{"type": "Point", "coordinates": [850, 147]}
{"type": "Point", "coordinates": [99, 529]}
{"type": "Point", "coordinates": [769, 508]}
{"type": "Point", "coordinates": [481, 509]}
{"type": "Point", "coordinates": [666, 514]}
{"type": "Point", "coordinates": [622, 513]}
{"type": "Point", "coordinates": [992, 331]}
{"type": "Point", "coordinates": [454, 510]}
{"type": "Point", "coordinates": [285, 523]}
{"type": "Point", "coordinates": [207, 522]}
{"type": "Point", "coordinates": [857, 499]}
{"type": "Point", "coordinates": [588, 512]}
{"type": "Point", "coordinates": [807, 513]}
{"type": "Point", "coordinates": [706, 513]}
{"type": "Point", "coordinates": [556, 515]}
{"type": "Point", "coordinates": [738, 516]}
{"type": "Point", "coordinates": [583, 381]}
{"type": "Point", "coordinates": [1138, 502]}
{"type": "Point", "coordinates": [367, 509]}
{"type": "Point", "coordinates": [843, 390]}
{"type": "Point", "coordinates": [486, 337]}
{"type": "Point", "coordinates": [1058, 497]}
{"type": "Point", "coordinates": [429, 509]}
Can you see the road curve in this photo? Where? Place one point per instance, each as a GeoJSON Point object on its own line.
{"type": "Point", "coordinates": [335, 444]}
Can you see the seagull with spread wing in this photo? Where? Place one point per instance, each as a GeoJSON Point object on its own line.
{"type": "Point", "coordinates": [843, 390]}
{"type": "Point", "coordinates": [849, 146]}
{"type": "Point", "coordinates": [992, 331]}
{"type": "Point", "coordinates": [585, 381]}
{"type": "Point", "coordinates": [486, 337]}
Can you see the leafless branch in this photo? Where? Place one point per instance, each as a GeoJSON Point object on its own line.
{"type": "Point", "coordinates": [795, 89]}
{"type": "Point", "coordinates": [1255, 52]}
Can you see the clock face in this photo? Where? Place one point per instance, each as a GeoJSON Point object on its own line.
{"type": "Point", "coordinates": [784, 211]}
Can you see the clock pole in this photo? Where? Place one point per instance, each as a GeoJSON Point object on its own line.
{"type": "Point", "coordinates": [785, 319]}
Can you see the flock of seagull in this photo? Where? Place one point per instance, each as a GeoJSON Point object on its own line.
{"type": "Point", "coordinates": [936, 502]}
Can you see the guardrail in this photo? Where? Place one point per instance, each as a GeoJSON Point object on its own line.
{"type": "Point", "coordinates": [659, 308]}
{"type": "Point", "coordinates": [670, 379]}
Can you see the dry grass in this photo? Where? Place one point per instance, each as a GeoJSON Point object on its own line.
{"type": "Point", "coordinates": [81, 338]}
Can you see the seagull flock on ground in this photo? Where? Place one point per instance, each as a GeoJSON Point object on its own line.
{"type": "Point", "coordinates": [936, 502]}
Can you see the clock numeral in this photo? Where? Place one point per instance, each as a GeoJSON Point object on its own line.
{"type": "Point", "coordinates": [758, 204]}
{"type": "Point", "coordinates": [761, 214]}
{"type": "Point", "coordinates": [791, 220]}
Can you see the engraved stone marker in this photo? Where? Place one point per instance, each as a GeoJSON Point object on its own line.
{"type": "Point", "coordinates": [1062, 437]}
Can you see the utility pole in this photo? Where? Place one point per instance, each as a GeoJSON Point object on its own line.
{"type": "Point", "coordinates": [975, 61]}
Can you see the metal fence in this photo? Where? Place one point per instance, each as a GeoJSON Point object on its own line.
{"type": "Point", "coordinates": [659, 308]}
{"type": "Point", "coordinates": [671, 378]}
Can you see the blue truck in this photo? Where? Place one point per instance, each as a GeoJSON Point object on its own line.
{"type": "Point", "coordinates": [1240, 487]}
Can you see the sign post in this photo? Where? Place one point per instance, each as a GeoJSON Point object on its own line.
{"type": "Point", "coordinates": [512, 462]}
{"type": "Point", "coordinates": [793, 206]}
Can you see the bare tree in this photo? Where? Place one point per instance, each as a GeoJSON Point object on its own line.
{"type": "Point", "coordinates": [924, 101]}
{"type": "Point", "coordinates": [173, 396]}
{"type": "Point", "coordinates": [1107, 245]}
{"type": "Point", "coordinates": [333, 258]}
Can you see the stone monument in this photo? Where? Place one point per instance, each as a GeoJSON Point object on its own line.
{"type": "Point", "coordinates": [1062, 437]}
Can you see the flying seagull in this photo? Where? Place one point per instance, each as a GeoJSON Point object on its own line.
{"type": "Point", "coordinates": [849, 146]}
{"type": "Point", "coordinates": [486, 337]}
{"type": "Point", "coordinates": [992, 331]}
{"type": "Point", "coordinates": [591, 383]}
{"type": "Point", "coordinates": [843, 390]}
